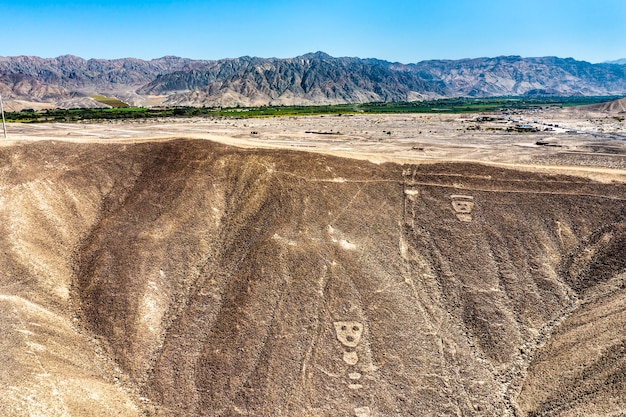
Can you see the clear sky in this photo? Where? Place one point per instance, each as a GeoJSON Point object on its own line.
{"type": "Point", "coordinates": [406, 31]}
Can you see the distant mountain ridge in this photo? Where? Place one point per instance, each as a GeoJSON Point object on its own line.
{"type": "Point", "coordinates": [314, 78]}
{"type": "Point", "coordinates": [517, 76]}
{"type": "Point", "coordinates": [309, 79]}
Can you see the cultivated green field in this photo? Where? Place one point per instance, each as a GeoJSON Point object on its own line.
{"type": "Point", "coordinates": [451, 105]}
{"type": "Point", "coordinates": [110, 101]}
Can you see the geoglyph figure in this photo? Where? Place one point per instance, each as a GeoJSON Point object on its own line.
{"type": "Point", "coordinates": [351, 358]}
{"type": "Point", "coordinates": [349, 332]}
{"type": "Point", "coordinates": [463, 206]}
{"type": "Point", "coordinates": [362, 412]}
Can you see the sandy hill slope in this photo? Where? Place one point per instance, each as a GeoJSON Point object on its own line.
{"type": "Point", "coordinates": [189, 278]}
{"type": "Point", "coordinates": [615, 106]}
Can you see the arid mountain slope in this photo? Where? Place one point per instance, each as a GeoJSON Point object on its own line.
{"type": "Point", "coordinates": [314, 78]}
{"type": "Point", "coordinates": [320, 78]}
{"type": "Point", "coordinates": [309, 79]}
{"type": "Point", "coordinates": [517, 76]}
{"type": "Point", "coordinates": [189, 278]}
{"type": "Point", "coordinates": [66, 81]}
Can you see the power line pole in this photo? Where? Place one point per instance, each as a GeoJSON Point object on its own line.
{"type": "Point", "coordinates": [4, 125]}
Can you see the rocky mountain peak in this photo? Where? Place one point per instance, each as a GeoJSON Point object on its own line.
{"type": "Point", "coordinates": [312, 78]}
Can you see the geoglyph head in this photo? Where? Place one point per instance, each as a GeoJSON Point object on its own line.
{"type": "Point", "coordinates": [349, 332]}
{"type": "Point", "coordinates": [462, 203]}
{"type": "Point", "coordinates": [463, 206]}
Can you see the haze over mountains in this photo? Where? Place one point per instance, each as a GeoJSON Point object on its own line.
{"type": "Point", "coordinates": [315, 78]}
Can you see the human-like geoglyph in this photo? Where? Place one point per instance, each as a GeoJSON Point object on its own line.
{"type": "Point", "coordinates": [411, 195]}
{"type": "Point", "coordinates": [362, 412]}
{"type": "Point", "coordinates": [349, 334]}
{"type": "Point", "coordinates": [463, 205]}
{"type": "Point", "coordinates": [410, 186]}
{"type": "Point", "coordinates": [351, 358]}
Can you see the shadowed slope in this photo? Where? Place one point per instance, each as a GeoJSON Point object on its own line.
{"type": "Point", "coordinates": [245, 282]}
{"type": "Point", "coordinates": [50, 196]}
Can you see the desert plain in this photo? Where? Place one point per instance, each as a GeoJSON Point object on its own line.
{"type": "Point", "coordinates": [330, 265]}
{"type": "Point", "coordinates": [591, 136]}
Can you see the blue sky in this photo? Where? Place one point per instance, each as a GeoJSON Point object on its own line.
{"type": "Point", "coordinates": [403, 31]}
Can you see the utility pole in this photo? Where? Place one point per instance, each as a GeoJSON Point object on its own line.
{"type": "Point", "coordinates": [4, 125]}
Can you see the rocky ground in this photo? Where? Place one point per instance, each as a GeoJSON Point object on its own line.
{"type": "Point", "coordinates": [317, 266]}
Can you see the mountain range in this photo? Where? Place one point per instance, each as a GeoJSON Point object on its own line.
{"type": "Point", "coordinates": [314, 78]}
{"type": "Point", "coordinates": [618, 61]}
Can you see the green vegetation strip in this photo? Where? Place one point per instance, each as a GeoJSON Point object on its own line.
{"type": "Point", "coordinates": [453, 105]}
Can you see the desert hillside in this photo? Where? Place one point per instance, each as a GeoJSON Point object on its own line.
{"type": "Point", "coordinates": [189, 278]}
{"type": "Point", "coordinates": [614, 106]}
